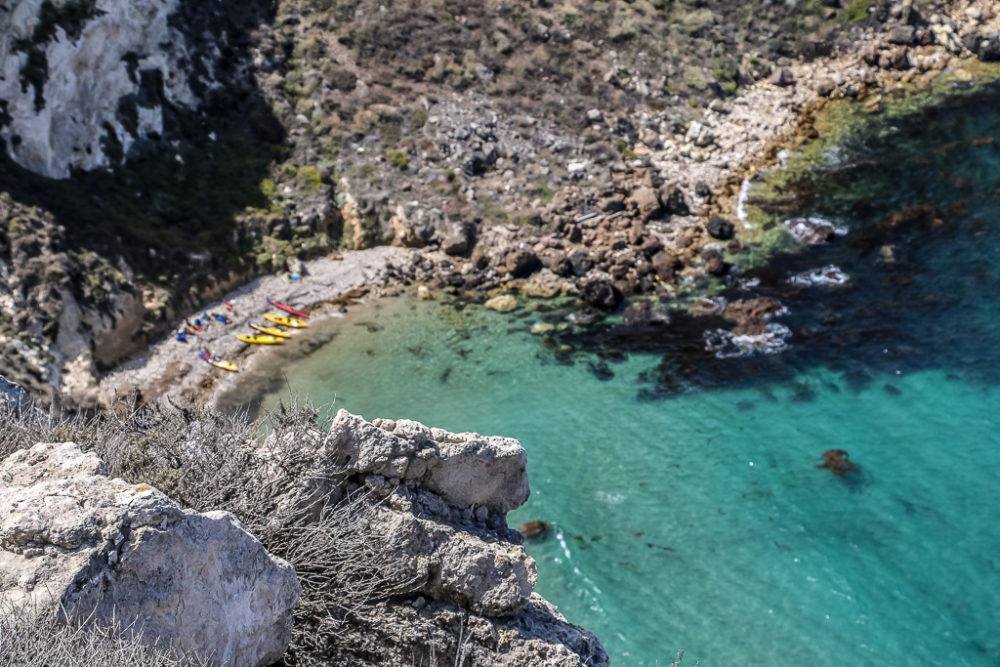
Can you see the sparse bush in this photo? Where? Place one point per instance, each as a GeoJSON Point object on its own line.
{"type": "Point", "coordinates": [28, 639]}
{"type": "Point", "coordinates": [272, 473]}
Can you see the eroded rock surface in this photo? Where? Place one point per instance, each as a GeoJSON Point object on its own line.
{"type": "Point", "coordinates": [75, 541]}
{"type": "Point", "coordinates": [446, 495]}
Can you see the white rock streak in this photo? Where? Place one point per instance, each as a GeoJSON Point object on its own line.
{"type": "Point", "coordinates": [87, 77]}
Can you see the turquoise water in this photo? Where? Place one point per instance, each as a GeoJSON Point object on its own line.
{"type": "Point", "coordinates": [686, 505]}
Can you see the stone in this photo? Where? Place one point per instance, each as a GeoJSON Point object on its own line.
{"type": "Point", "coordinates": [752, 315]}
{"type": "Point", "coordinates": [440, 476]}
{"type": "Point", "coordinates": [540, 328]}
{"type": "Point", "coordinates": [714, 262]}
{"type": "Point", "coordinates": [826, 87]}
{"type": "Point", "coordinates": [457, 238]}
{"type": "Point", "coordinates": [601, 294]}
{"type": "Point", "coordinates": [720, 228]}
{"type": "Point", "coordinates": [522, 263]}
{"type": "Point", "coordinates": [646, 203]}
{"type": "Point", "coordinates": [534, 529]}
{"type": "Point", "coordinates": [903, 34]}
{"type": "Point", "coordinates": [989, 50]}
{"type": "Point", "coordinates": [503, 303]}
{"type": "Point", "coordinates": [581, 262]}
{"type": "Point", "coordinates": [673, 200]}
{"type": "Point", "coordinates": [782, 77]}
{"type": "Point", "coordinates": [76, 542]}
{"type": "Point", "coordinates": [811, 231]}
{"type": "Point", "coordinates": [900, 59]}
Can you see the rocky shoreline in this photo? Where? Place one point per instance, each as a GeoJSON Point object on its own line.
{"type": "Point", "coordinates": [654, 242]}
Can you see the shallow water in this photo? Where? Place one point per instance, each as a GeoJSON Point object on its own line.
{"type": "Point", "coordinates": [686, 505]}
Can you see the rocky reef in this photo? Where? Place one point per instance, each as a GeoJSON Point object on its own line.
{"type": "Point", "coordinates": [80, 544]}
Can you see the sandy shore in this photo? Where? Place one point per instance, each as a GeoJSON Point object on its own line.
{"type": "Point", "coordinates": [173, 369]}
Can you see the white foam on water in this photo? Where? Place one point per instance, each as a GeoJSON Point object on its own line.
{"type": "Point", "coordinates": [561, 539]}
{"type": "Point", "coordinates": [800, 227]}
{"type": "Point", "coordinates": [741, 202]}
{"type": "Point", "coordinates": [726, 345]}
{"type": "Point", "coordinates": [828, 275]}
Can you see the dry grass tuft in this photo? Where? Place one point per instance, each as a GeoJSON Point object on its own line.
{"type": "Point", "coordinates": [273, 474]}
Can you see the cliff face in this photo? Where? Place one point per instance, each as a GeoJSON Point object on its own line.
{"type": "Point", "coordinates": [82, 81]}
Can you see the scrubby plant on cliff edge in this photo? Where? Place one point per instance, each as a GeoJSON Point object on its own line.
{"type": "Point", "coordinates": [30, 640]}
{"type": "Point", "coordinates": [276, 486]}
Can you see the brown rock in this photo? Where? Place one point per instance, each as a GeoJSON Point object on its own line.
{"type": "Point", "coordinates": [534, 529]}
{"type": "Point", "coordinates": [646, 202]}
{"type": "Point", "coordinates": [751, 315]}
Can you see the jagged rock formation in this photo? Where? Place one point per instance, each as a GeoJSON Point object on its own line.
{"type": "Point", "coordinates": [445, 495]}
{"type": "Point", "coordinates": [75, 542]}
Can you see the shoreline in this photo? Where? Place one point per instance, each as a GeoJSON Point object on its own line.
{"type": "Point", "coordinates": [171, 369]}
{"type": "Point", "coordinates": [783, 116]}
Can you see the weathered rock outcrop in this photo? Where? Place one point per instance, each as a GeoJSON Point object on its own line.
{"type": "Point", "coordinates": [446, 495]}
{"type": "Point", "coordinates": [76, 542]}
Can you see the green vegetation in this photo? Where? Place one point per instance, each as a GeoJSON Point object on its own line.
{"type": "Point", "coordinates": [398, 159]}
{"type": "Point", "coordinates": [310, 175]}
{"type": "Point", "coordinates": [542, 191]}
{"type": "Point", "coordinates": [857, 10]}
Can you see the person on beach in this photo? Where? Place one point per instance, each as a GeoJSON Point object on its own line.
{"type": "Point", "coordinates": [181, 336]}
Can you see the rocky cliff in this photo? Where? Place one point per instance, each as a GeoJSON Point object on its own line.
{"type": "Point", "coordinates": [158, 153]}
{"type": "Point", "coordinates": [397, 533]}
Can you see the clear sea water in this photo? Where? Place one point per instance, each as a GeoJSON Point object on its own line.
{"type": "Point", "coordinates": [686, 506]}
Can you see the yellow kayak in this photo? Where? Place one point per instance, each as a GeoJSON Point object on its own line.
{"type": "Point", "coordinates": [261, 339]}
{"type": "Point", "coordinates": [218, 363]}
{"type": "Point", "coordinates": [291, 322]}
{"type": "Point", "coordinates": [225, 365]}
{"type": "Point", "coordinates": [273, 331]}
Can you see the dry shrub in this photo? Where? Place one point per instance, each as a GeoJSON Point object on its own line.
{"type": "Point", "coordinates": [272, 473]}
{"type": "Point", "coordinates": [28, 639]}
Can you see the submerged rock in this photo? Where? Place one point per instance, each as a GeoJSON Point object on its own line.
{"type": "Point", "coordinates": [601, 294]}
{"type": "Point", "coordinates": [78, 543]}
{"type": "Point", "coordinates": [503, 303]}
{"type": "Point", "coordinates": [838, 462]}
{"type": "Point", "coordinates": [534, 529]}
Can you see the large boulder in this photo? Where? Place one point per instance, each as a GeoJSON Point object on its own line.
{"type": "Point", "coordinates": [77, 543]}
{"type": "Point", "coordinates": [601, 294]}
{"type": "Point", "coordinates": [720, 228]}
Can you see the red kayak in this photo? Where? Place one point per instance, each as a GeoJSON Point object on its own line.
{"type": "Point", "coordinates": [287, 309]}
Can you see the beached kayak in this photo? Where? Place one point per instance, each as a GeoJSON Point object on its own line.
{"type": "Point", "coordinates": [218, 363]}
{"type": "Point", "coordinates": [273, 331]}
{"type": "Point", "coordinates": [287, 309]}
{"type": "Point", "coordinates": [291, 322]}
{"type": "Point", "coordinates": [263, 339]}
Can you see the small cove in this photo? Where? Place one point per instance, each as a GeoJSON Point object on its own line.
{"type": "Point", "coordinates": [686, 508]}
